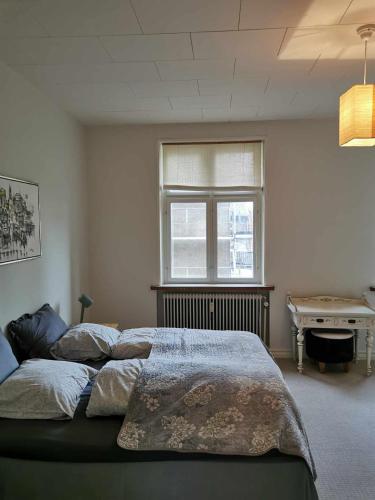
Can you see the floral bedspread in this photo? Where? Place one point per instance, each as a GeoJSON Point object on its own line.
{"type": "Point", "coordinates": [212, 392]}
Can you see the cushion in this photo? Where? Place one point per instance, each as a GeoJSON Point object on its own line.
{"type": "Point", "coordinates": [113, 387]}
{"type": "Point", "coordinates": [34, 334]}
{"type": "Point", "coordinates": [8, 361]}
{"type": "Point", "coordinates": [86, 341]}
{"type": "Point", "coordinates": [44, 389]}
{"type": "Point", "coordinates": [134, 343]}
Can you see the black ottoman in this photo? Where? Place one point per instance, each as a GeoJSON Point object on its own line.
{"type": "Point", "coordinates": [330, 346]}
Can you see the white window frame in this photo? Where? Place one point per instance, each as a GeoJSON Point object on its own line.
{"type": "Point", "coordinates": [212, 198]}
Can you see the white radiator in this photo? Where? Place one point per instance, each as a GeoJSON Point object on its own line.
{"type": "Point", "coordinates": [216, 311]}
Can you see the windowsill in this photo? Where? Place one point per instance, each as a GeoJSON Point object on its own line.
{"type": "Point", "coordinates": [223, 287]}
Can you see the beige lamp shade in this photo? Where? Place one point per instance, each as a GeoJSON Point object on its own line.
{"type": "Point", "coordinates": [357, 116]}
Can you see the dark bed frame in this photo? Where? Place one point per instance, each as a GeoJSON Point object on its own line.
{"type": "Point", "coordinates": [266, 478]}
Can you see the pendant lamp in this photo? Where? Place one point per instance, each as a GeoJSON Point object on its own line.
{"type": "Point", "coordinates": [357, 106]}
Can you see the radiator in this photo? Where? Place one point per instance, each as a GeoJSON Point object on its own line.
{"type": "Point", "coordinates": [216, 311]}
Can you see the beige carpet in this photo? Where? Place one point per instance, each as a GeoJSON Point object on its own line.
{"type": "Point", "coordinates": [339, 414]}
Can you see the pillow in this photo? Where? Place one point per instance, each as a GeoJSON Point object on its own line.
{"type": "Point", "coordinates": [113, 387]}
{"type": "Point", "coordinates": [8, 361]}
{"type": "Point", "coordinates": [86, 341]}
{"type": "Point", "coordinates": [34, 334]}
{"type": "Point", "coordinates": [134, 343]}
{"type": "Point", "coordinates": [44, 389]}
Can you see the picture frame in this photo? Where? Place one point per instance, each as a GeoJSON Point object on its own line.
{"type": "Point", "coordinates": [20, 227]}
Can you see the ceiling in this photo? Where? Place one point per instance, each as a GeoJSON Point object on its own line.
{"type": "Point", "coordinates": [159, 61]}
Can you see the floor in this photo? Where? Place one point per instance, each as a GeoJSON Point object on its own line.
{"type": "Point", "coordinates": [339, 413]}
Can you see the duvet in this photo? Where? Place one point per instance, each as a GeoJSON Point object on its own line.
{"type": "Point", "coordinates": [213, 392]}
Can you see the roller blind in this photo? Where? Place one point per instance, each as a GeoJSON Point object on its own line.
{"type": "Point", "coordinates": [210, 166]}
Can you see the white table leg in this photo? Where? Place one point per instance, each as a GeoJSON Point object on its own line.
{"type": "Point", "coordinates": [300, 339]}
{"type": "Point", "coordinates": [369, 342]}
{"type": "Point", "coordinates": [294, 340]}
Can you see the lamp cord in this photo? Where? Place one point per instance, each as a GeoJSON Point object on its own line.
{"type": "Point", "coordinates": [365, 68]}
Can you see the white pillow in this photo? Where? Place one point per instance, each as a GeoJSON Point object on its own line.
{"type": "Point", "coordinates": [86, 341]}
{"type": "Point", "coordinates": [113, 387]}
{"type": "Point", "coordinates": [44, 389]}
{"type": "Point", "coordinates": [133, 343]}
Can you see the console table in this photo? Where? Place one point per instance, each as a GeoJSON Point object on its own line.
{"type": "Point", "coordinates": [331, 312]}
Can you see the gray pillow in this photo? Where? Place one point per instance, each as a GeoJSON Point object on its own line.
{"type": "Point", "coordinates": [113, 387]}
{"type": "Point", "coordinates": [133, 343]}
{"type": "Point", "coordinates": [44, 389]}
{"type": "Point", "coordinates": [86, 341]}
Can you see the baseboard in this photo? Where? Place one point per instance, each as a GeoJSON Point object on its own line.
{"type": "Point", "coordinates": [287, 354]}
{"type": "Point", "coordinates": [362, 355]}
{"type": "Point", "coordinates": [282, 353]}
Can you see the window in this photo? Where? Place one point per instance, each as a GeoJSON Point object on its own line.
{"type": "Point", "coordinates": [211, 199]}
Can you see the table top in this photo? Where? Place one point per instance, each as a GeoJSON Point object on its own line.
{"type": "Point", "coordinates": [330, 306]}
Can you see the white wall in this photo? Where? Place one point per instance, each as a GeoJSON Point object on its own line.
{"type": "Point", "coordinates": [320, 215]}
{"type": "Point", "coordinates": [40, 143]}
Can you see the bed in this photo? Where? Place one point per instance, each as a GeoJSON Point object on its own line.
{"type": "Point", "coordinates": [80, 458]}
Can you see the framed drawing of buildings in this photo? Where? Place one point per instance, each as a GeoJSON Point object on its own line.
{"type": "Point", "coordinates": [19, 220]}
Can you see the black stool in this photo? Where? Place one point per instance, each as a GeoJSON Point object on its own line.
{"type": "Point", "coordinates": [330, 346]}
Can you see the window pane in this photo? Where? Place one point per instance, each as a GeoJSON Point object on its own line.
{"type": "Point", "coordinates": [235, 251]}
{"type": "Point", "coordinates": [188, 240]}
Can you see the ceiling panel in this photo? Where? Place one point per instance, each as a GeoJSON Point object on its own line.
{"type": "Point", "coordinates": [283, 110]}
{"type": "Point", "coordinates": [276, 13]}
{"type": "Point", "coordinates": [334, 42]}
{"type": "Point", "coordinates": [15, 20]}
{"type": "Point", "coordinates": [148, 47]}
{"type": "Point", "coordinates": [254, 86]}
{"type": "Point", "coordinates": [279, 94]}
{"type": "Point", "coordinates": [355, 78]}
{"type": "Point", "coordinates": [4, 74]}
{"type": "Point", "coordinates": [90, 73]}
{"type": "Point", "coordinates": [169, 116]}
{"type": "Point", "coordinates": [326, 99]}
{"type": "Point", "coordinates": [93, 96]}
{"type": "Point", "coordinates": [85, 17]}
{"type": "Point", "coordinates": [52, 51]}
{"type": "Point", "coordinates": [197, 69]}
{"type": "Point", "coordinates": [246, 102]}
{"type": "Point", "coordinates": [298, 100]}
{"type": "Point", "coordinates": [251, 45]}
{"type": "Point", "coordinates": [186, 88]}
{"type": "Point", "coordinates": [277, 69]}
{"type": "Point", "coordinates": [360, 11]}
{"type": "Point", "coordinates": [223, 114]}
{"type": "Point", "coordinates": [105, 97]}
{"type": "Point", "coordinates": [334, 71]}
{"type": "Point", "coordinates": [171, 16]}
{"type": "Point", "coordinates": [200, 102]}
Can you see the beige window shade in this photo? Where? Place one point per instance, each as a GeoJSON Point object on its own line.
{"type": "Point", "coordinates": [206, 166]}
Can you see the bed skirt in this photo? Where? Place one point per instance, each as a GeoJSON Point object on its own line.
{"type": "Point", "coordinates": [266, 478]}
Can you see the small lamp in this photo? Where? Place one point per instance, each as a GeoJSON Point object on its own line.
{"type": "Point", "coordinates": [86, 302]}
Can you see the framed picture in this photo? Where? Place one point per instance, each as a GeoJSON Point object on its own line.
{"type": "Point", "coordinates": [19, 220]}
